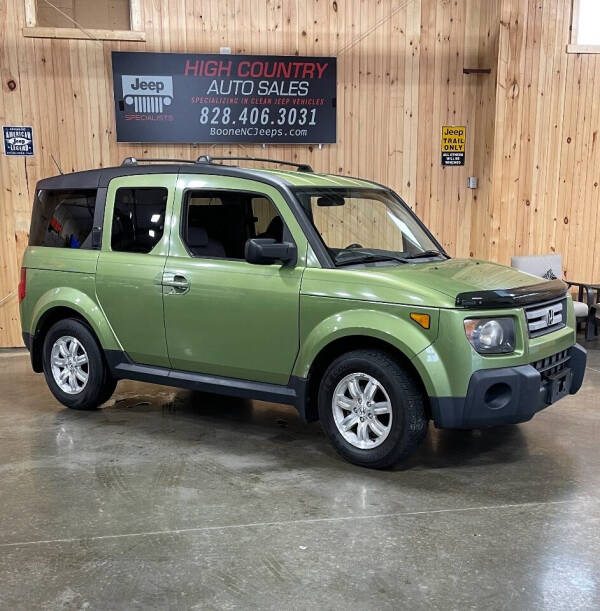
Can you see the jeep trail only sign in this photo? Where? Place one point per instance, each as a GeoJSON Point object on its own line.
{"type": "Point", "coordinates": [453, 144]}
{"type": "Point", "coordinates": [182, 97]}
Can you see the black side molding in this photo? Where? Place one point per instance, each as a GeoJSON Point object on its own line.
{"type": "Point", "coordinates": [577, 363]}
{"type": "Point", "coordinates": [293, 393]}
{"type": "Point", "coordinates": [517, 297]}
{"type": "Point", "coordinates": [27, 340]}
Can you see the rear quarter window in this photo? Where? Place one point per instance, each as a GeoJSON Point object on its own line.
{"type": "Point", "coordinates": [63, 219]}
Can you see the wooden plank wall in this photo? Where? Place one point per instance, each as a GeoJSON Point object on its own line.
{"type": "Point", "coordinates": [456, 35]}
{"type": "Point", "coordinates": [63, 88]}
{"type": "Point", "coordinates": [546, 187]}
{"type": "Point", "coordinates": [532, 138]}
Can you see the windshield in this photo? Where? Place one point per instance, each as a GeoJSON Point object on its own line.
{"type": "Point", "coordinates": [361, 225]}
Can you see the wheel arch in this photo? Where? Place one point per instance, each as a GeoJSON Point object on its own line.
{"type": "Point", "coordinates": [348, 343]}
{"type": "Point", "coordinates": [83, 309]}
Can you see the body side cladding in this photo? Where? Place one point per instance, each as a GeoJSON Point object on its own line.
{"type": "Point", "coordinates": [577, 363]}
{"type": "Point", "coordinates": [293, 393]}
{"type": "Point", "coordinates": [27, 340]}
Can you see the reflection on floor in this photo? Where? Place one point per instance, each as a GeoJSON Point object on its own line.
{"type": "Point", "coordinates": [170, 499]}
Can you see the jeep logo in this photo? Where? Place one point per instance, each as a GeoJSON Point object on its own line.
{"type": "Point", "coordinates": [157, 86]}
{"type": "Point", "coordinates": [147, 93]}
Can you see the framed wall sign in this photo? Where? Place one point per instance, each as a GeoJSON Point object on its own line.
{"type": "Point", "coordinates": [18, 140]}
{"type": "Point", "coordinates": [453, 144]}
{"type": "Point", "coordinates": [182, 97]}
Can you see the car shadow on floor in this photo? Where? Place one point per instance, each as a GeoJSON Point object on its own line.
{"type": "Point", "coordinates": [452, 448]}
{"type": "Point", "coordinates": [246, 439]}
{"type": "Point", "coordinates": [440, 449]}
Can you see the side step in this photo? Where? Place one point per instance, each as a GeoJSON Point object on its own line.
{"type": "Point", "coordinates": [290, 394]}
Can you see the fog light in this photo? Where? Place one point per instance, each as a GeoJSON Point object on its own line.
{"type": "Point", "coordinates": [498, 395]}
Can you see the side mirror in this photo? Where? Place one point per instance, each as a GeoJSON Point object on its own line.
{"type": "Point", "coordinates": [263, 251]}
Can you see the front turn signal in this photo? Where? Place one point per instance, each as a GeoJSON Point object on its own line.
{"type": "Point", "coordinates": [424, 320]}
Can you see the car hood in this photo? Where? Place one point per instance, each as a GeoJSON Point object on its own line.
{"type": "Point", "coordinates": [456, 276]}
{"type": "Point", "coordinates": [480, 284]}
{"type": "Point", "coordinates": [465, 283]}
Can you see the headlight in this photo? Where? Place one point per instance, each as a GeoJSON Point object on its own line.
{"type": "Point", "coordinates": [491, 335]}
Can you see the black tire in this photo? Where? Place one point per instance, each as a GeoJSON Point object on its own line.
{"type": "Point", "coordinates": [408, 421]}
{"type": "Point", "coordinates": [109, 388]}
{"type": "Point", "coordinates": [100, 384]}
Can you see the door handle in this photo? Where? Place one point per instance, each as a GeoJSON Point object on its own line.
{"type": "Point", "coordinates": [178, 283]}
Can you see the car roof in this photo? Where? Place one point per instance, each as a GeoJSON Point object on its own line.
{"type": "Point", "coordinates": [98, 178]}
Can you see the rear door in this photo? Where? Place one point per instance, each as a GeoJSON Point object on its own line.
{"type": "Point", "coordinates": [223, 315]}
{"type": "Point", "coordinates": [131, 263]}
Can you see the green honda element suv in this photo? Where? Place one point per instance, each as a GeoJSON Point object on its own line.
{"type": "Point", "coordinates": [323, 292]}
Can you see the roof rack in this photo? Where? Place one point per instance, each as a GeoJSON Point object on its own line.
{"type": "Point", "coordinates": [135, 161]}
{"type": "Point", "coordinates": [207, 159]}
{"type": "Point", "coordinates": [301, 167]}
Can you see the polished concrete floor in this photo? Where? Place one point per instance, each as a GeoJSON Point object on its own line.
{"type": "Point", "coordinates": [166, 499]}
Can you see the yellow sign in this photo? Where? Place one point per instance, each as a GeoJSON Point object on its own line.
{"type": "Point", "coordinates": [453, 144]}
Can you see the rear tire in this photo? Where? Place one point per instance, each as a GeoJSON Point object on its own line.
{"type": "Point", "coordinates": [74, 367]}
{"type": "Point", "coordinates": [371, 409]}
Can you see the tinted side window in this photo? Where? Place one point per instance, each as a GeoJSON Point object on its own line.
{"type": "Point", "coordinates": [218, 223]}
{"type": "Point", "coordinates": [138, 219]}
{"type": "Point", "coordinates": [63, 219]}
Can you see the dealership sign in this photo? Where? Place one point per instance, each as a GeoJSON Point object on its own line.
{"type": "Point", "coordinates": [181, 97]}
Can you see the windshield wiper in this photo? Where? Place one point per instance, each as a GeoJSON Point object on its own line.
{"type": "Point", "coordinates": [363, 257]}
{"type": "Point", "coordinates": [355, 255]}
{"type": "Point", "coordinates": [425, 253]}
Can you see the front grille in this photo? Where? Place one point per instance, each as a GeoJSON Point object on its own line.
{"type": "Point", "coordinates": [546, 317]}
{"type": "Point", "coordinates": [552, 364]}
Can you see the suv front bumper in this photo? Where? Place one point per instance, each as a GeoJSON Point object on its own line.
{"type": "Point", "coordinates": [511, 394]}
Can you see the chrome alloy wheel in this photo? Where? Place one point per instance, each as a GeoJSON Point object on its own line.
{"type": "Point", "coordinates": [70, 364]}
{"type": "Point", "coordinates": [362, 410]}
